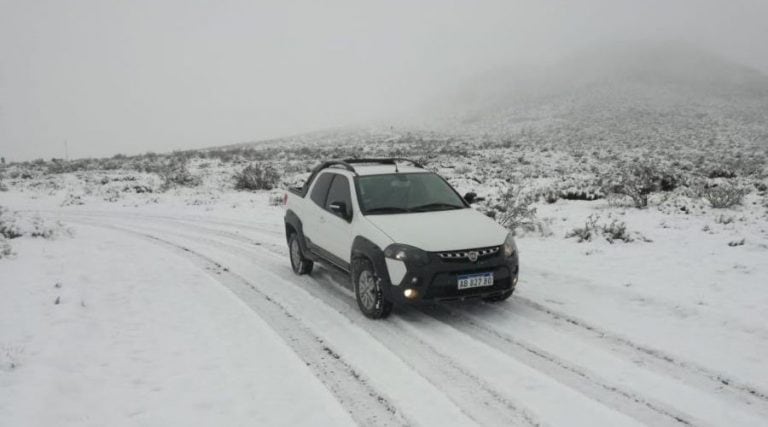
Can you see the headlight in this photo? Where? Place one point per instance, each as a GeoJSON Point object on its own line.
{"type": "Point", "coordinates": [407, 254]}
{"type": "Point", "coordinates": [510, 248]}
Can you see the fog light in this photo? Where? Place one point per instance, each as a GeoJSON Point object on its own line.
{"type": "Point", "coordinates": [514, 281]}
{"type": "Point", "coordinates": [411, 293]}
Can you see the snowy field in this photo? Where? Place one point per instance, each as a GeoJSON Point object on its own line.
{"type": "Point", "coordinates": [127, 302]}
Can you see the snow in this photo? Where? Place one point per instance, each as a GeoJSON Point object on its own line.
{"type": "Point", "coordinates": [140, 335]}
{"type": "Point", "coordinates": [180, 307]}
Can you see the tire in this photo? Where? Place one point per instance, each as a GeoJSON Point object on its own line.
{"type": "Point", "coordinates": [500, 297]}
{"type": "Point", "coordinates": [368, 292]}
{"type": "Point", "coordinates": [299, 263]}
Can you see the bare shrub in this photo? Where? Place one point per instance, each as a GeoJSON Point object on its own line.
{"type": "Point", "coordinates": [517, 210]}
{"type": "Point", "coordinates": [572, 194]}
{"type": "Point", "coordinates": [257, 177]}
{"type": "Point", "coordinates": [275, 199]}
{"type": "Point", "coordinates": [10, 357]}
{"type": "Point", "coordinates": [72, 200]}
{"type": "Point", "coordinates": [616, 231]}
{"type": "Point", "coordinates": [586, 233]}
{"type": "Point", "coordinates": [638, 180]}
{"type": "Point", "coordinates": [721, 172]}
{"type": "Point", "coordinates": [175, 172]}
{"type": "Point", "coordinates": [9, 229]}
{"type": "Point", "coordinates": [723, 195]}
{"type": "Point", "coordinates": [724, 220]}
{"type": "Point", "coordinates": [735, 243]}
{"type": "Point", "coordinates": [612, 232]}
{"type": "Point", "coordinates": [5, 248]}
{"type": "Point", "coordinates": [551, 197]}
{"type": "Point", "coordinates": [14, 225]}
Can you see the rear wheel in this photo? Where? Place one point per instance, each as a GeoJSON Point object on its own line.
{"type": "Point", "coordinates": [299, 263]}
{"type": "Point", "coordinates": [368, 293]}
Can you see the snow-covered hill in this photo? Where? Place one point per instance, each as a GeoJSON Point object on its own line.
{"type": "Point", "coordinates": [633, 93]}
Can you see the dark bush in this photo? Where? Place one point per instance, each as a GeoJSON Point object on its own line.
{"type": "Point", "coordinates": [257, 177]}
{"type": "Point", "coordinates": [720, 172]}
{"type": "Point", "coordinates": [175, 172]}
{"type": "Point", "coordinates": [586, 233]}
{"type": "Point", "coordinates": [616, 230]}
{"type": "Point", "coordinates": [580, 195]}
{"type": "Point", "coordinates": [551, 197]}
{"type": "Point", "coordinates": [722, 196]}
{"type": "Point", "coordinates": [8, 227]}
{"type": "Point", "coordinates": [638, 180]}
{"type": "Point", "coordinates": [613, 231]}
{"type": "Point", "coordinates": [518, 212]}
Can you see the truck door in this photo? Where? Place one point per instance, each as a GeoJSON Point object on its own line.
{"type": "Point", "coordinates": [337, 231]}
{"type": "Point", "coordinates": [313, 219]}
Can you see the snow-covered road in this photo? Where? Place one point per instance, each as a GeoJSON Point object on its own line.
{"type": "Point", "coordinates": [265, 342]}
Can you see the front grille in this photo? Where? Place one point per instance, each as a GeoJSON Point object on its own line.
{"type": "Point", "coordinates": [467, 254]}
{"type": "Point", "coordinates": [444, 286]}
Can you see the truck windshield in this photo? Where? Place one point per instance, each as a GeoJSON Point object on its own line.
{"type": "Point", "coordinates": [406, 192]}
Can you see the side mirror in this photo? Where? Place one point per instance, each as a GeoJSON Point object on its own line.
{"type": "Point", "coordinates": [340, 209]}
{"type": "Point", "coordinates": [471, 197]}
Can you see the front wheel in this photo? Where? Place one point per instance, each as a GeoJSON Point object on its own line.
{"type": "Point", "coordinates": [368, 293]}
{"type": "Point", "coordinates": [299, 263]}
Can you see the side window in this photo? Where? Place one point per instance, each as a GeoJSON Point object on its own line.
{"type": "Point", "coordinates": [320, 189]}
{"type": "Point", "coordinates": [339, 192]}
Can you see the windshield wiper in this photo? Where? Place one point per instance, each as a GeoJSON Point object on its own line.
{"type": "Point", "coordinates": [435, 206]}
{"type": "Point", "coordinates": [387, 209]}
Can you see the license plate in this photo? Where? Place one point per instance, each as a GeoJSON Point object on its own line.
{"type": "Point", "coordinates": [475, 280]}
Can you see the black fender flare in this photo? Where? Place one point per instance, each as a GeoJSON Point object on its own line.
{"type": "Point", "coordinates": [364, 248]}
{"type": "Point", "coordinates": [292, 221]}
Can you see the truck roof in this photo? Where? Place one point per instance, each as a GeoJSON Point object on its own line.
{"type": "Point", "coordinates": [379, 169]}
{"type": "Point", "coordinates": [372, 166]}
{"type": "Point", "coordinates": [359, 167]}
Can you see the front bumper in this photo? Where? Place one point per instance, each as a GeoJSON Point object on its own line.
{"type": "Point", "coordinates": [437, 281]}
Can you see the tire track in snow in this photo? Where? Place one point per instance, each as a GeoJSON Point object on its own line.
{"type": "Point", "coordinates": [715, 379]}
{"type": "Point", "coordinates": [480, 402]}
{"type": "Point", "coordinates": [430, 357]}
{"type": "Point", "coordinates": [478, 399]}
{"type": "Point", "coordinates": [365, 404]}
{"type": "Point", "coordinates": [663, 362]}
{"type": "Point", "coordinates": [570, 374]}
{"type": "Point", "coordinates": [187, 219]}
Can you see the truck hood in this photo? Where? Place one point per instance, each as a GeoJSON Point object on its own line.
{"type": "Point", "coordinates": [441, 230]}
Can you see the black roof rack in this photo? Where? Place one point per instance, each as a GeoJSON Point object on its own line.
{"type": "Point", "coordinates": [385, 161]}
{"type": "Point", "coordinates": [347, 164]}
{"type": "Point", "coordinates": [343, 163]}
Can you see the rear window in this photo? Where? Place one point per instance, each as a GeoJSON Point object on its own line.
{"type": "Point", "coordinates": [339, 192]}
{"type": "Point", "coordinates": [320, 189]}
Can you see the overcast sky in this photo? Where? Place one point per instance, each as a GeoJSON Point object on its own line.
{"type": "Point", "coordinates": [132, 76]}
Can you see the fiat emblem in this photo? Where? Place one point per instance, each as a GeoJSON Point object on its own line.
{"type": "Point", "coordinates": [472, 255]}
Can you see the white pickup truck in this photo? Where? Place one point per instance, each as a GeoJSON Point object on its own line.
{"type": "Point", "coordinates": [402, 233]}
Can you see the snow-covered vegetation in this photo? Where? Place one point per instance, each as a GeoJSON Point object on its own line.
{"type": "Point", "coordinates": [14, 225]}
